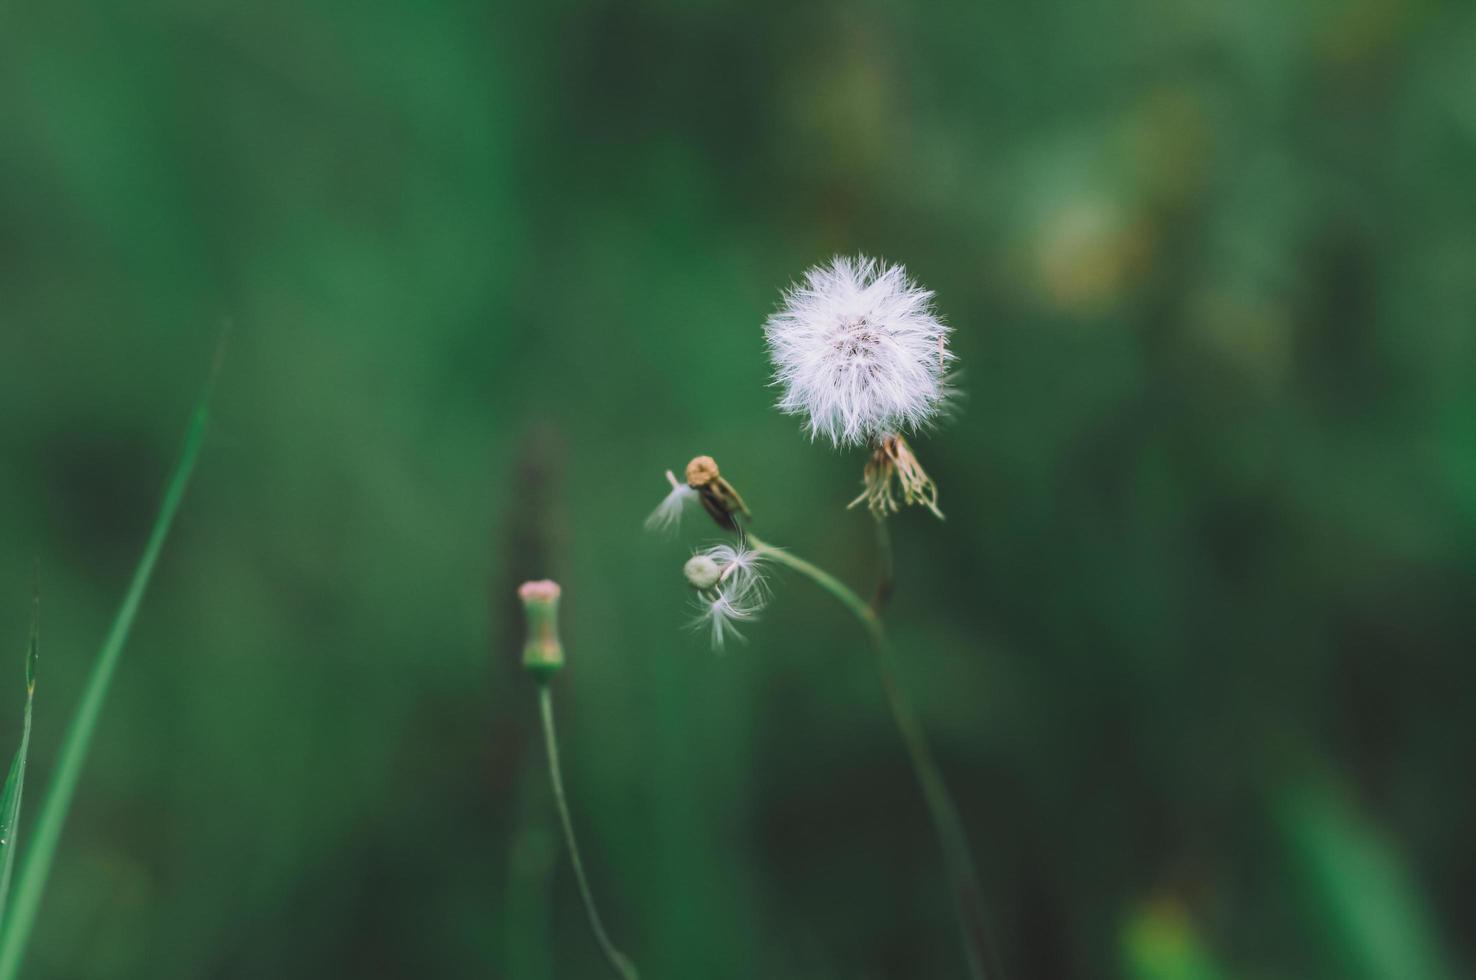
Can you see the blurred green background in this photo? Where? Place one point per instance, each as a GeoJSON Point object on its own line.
{"type": "Point", "coordinates": [1194, 643]}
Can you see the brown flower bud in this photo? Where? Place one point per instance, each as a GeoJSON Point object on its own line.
{"type": "Point", "coordinates": [722, 502]}
{"type": "Point", "coordinates": [702, 471]}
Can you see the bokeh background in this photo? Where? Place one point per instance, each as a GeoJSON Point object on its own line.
{"type": "Point", "coordinates": [1195, 643]}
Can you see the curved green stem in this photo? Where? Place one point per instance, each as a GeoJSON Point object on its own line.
{"type": "Point", "coordinates": [946, 822]}
{"type": "Point", "coordinates": [619, 962]}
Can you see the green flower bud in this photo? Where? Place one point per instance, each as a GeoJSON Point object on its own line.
{"type": "Point", "coordinates": [543, 654]}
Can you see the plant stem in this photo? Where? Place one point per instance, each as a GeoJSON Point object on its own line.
{"type": "Point", "coordinates": [619, 962]}
{"type": "Point", "coordinates": [533, 857]}
{"type": "Point", "coordinates": [946, 822]}
{"type": "Point", "coordinates": [884, 579]}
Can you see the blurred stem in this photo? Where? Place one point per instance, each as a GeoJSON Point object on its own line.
{"type": "Point", "coordinates": [884, 579]}
{"type": "Point", "coordinates": [946, 822]}
{"type": "Point", "coordinates": [618, 960]}
{"type": "Point", "coordinates": [532, 858]}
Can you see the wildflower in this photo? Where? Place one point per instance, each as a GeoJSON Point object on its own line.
{"type": "Point", "coordinates": [706, 484]}
{"type": "Point", "coordinates": [860, 352]}
{"type": "Point", "coordinates": [730, 587]}
{"type": "Point", "coordinates": [543, 654]}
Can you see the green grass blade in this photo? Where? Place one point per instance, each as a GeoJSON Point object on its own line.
{"type": "Point", "coordinates": [36, 867]}
{"type": "Point", "coordinates": [1362, 893]}
{"type": "Point", "coordinates": [10, 800]}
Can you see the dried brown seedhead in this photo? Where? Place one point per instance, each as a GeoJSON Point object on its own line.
{"type": "Point", "coordinates": [719, 498]}
{"type": "Point", "coordinates": [702, 471]}
{"type": "Point", "coordinates": [892, 461]}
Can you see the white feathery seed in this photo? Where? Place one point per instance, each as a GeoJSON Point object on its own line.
{"type": "Point", "coordinates": [738, 596]}
{"type": "Point", "coordinates": [859, 351]}
{"type": "Point", "coordinates": [740, 568]}
{"type": "Point", "coordinates": [668, 514]}
{"type": "Point", "coordinates": [721, 615]}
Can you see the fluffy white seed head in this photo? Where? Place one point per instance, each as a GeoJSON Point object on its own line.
{"type": "Point", "coordinates": [730, 588]}
{"type": "Point", "coordinates": [859, 351]}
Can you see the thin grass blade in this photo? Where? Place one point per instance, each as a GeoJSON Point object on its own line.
{"type": "Point", "coordinates": [10, 800]}
{"type": "Point", "coordinates": [34, 870]}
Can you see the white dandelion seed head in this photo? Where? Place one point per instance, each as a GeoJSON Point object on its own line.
{"type": "Point", "coordinates": [668, 514]}
{"type": "Point", "coordinates": [734, 592]}
{"type": "Point", "coordinates": [859, 351]}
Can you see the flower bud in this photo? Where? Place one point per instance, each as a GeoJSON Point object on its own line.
{"type": "Point", "coordinates": [701, 471]}
{"type": "Point", "coordinates": [702, 572]}
{"type": "Point", "coordinates": [718, 496]}
{"type": "Point", "coordinates": [543, 654]}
